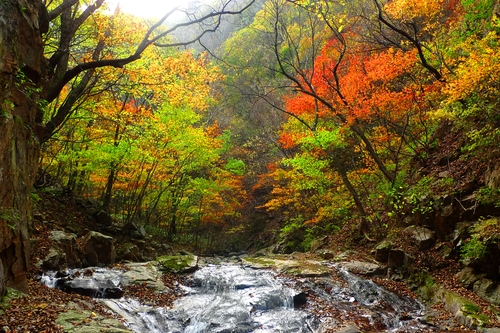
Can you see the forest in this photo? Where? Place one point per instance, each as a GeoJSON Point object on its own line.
{"type": "Point", "coordinates": [290, 124]}
{"type": "Point", "coordinates": [313, 117]}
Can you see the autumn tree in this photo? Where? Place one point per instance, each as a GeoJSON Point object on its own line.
{"type": "Point", "coordinates": [30, 81]}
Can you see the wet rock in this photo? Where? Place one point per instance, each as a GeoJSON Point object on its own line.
{"type": "Point", "coordinates": [142, 273]}
{"type": "Point", "coordinates": [423, 237]}
{"type": "Point", "coordinates": [91, 288]}
{"type": "Point", "coordinates": [83, 321]}
{"type": "Point", "coordinates": [98, 249]}
{"type": "Point", "coordinates": [299, 300]}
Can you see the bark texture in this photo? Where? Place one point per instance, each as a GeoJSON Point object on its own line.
{"type": "Point", "coordinates": [21, 75]}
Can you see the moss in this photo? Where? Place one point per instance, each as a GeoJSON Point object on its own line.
{"type": "Point", "coordinates": [480, 319]}
{"type": "Point", "coordinates": [7, 299]}
{"type": "Point", "coordinates": [261, 261]}
{"type": "Point", "coordinates": [79, 321]}
{"type": "Point", "coordinates": [470, 308]}
{"type": "Point", "coordinates": [176, 264]}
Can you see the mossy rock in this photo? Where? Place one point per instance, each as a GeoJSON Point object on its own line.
{"type": "Point", "coordinates": [82, 321]}
{"type": "Point", "coordinates": [178, 264]}
{"type": "Point", "coordinates": [465, 311]}
{"type": "Point", "coordinates": [301, 268]}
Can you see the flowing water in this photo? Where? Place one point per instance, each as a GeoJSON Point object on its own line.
{"type": "Point", "coordinates": [223, 298]}
{"type": "Point", "coordinates": [234, 298]}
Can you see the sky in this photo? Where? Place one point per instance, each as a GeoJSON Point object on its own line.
{"type": "Point", "coordinates": [146, 8]}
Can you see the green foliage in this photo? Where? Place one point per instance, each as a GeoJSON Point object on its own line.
{"type": "Point", "coordinates": [482, 232]}
{"type": "Point", "coordinates": [474, 249]}
{"type": "Point", "coordinates": [488, 196]}
{"type": "Point", "coordinates": [11, 216]}
{"type": "Point", "coordinates": [415, 199]}
{"type": "Point", "coordinates": [235, 166]}
{"type": "Point", "coordinates": [477, 16]}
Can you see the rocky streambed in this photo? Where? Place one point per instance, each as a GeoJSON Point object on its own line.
{"type": "Point", "coordinates": [245, 295]}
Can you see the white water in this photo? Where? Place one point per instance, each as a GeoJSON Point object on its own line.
{"type": "Point", "coordinates": [233, 298]}
{"type": "Point", "coordinates": [225, 298]}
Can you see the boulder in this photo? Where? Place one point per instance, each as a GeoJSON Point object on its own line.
{"type": "Point", "coordinates": [396, 258]}
{"type": "Point", "coordinates": [103, 218]}
{"type": "Point", "coordinates": [83, 321]}
{"type": "Point", "coordinates": [98, 249]}
{"type": "Point", "coordinates": [64, 252]}
{"type": "Point", "coordinates": [423, 237]}
{"type": "Point", "coordinates": [144, 274]}
{"type": "Point", "coordinates": [299, 300]}
{"type": "Point", "coordinates": [469, 276]}
{"type": "Point", "coordinates": [135, 230]}
{"type": "Point", "coordinates": [478, 282]}
{"type": "Point", "coordinates": [128, 251]}
{"type": "Point", "coordinates": [488, 290]}
{"type": "Point", "coordinates": [149, 254]}
{"type": "Point", "coordinates": [178, 264]}
{"type": "Point", "coordinates": [91, 288]}
{"type": "Point", "coordinates": [382, 251]}
{"type": "Point", "coordinates": [363, 268]}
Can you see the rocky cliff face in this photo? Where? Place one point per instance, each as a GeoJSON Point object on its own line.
{"type": "Point", "coordinates": [21, 72]}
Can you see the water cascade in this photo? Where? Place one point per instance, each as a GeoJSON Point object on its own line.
{"type": "Point", "coordinates": [234, 298]}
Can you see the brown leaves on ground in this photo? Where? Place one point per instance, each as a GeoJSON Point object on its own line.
{"type": "Point", "coordinates": [38, 311]}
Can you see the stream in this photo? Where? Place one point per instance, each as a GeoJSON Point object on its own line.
{"type": "Point", "coordinates": [234, 298]}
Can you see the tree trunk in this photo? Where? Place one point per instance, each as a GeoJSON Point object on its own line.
{"type": "Point", "coordinates": [21, 73]}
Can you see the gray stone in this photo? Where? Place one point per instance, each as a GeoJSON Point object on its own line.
{"type": "Point", "coordinates": [98, 249]}
{"type": "Point", "coordinates": [142, 273]}
{"type": "Point", "coordinates": [363, 267]}
{"type": "Point", "coordinates": [64, 253]}
{"type": "Point", "coordinates": [488, 290]}
{"type": "Point", "coordinates": [423, 237]}
{"type": "Point", "coordinates": [491, 330]}
{"type": "Point", "coordinates": [468, 277]}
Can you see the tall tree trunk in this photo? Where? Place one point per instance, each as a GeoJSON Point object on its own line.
{"type": "Point", "coordinates": [21, 72]}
